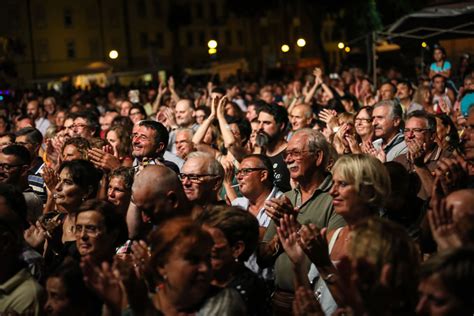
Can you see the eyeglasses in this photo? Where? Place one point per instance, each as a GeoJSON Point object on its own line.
{"type": "Point", "coordinates": [245, 171]}
{"type": "Point", "coordinates": [78, 125]}
{"type": "Point", "coordinates": [7, 167]}
{"type": "Point", "coordinates": [89, 230]}
{"type": "Point", "coordinates": [296, 154]}
{"type": "Point", "coordinates": [196, 178]}
{"type": "Point", "coordinates": [415, 130]}
{"type": "Point", "coordinates": [362, 120]}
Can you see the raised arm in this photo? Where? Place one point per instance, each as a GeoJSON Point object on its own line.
{"type": "Point", "coordinates": [174, 95]}
{"type": "Point", "coordinates": [201, 131]}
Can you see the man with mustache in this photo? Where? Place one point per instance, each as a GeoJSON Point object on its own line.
{"type": "Point", "coordinates": [387, 121]}
{"type": "Point", "coordinates": [272, 126]}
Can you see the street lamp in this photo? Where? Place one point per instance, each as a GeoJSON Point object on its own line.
{"type": "Point", "coordinates": [301, 42]}
{"type": "Point", "coordinates": [347, 49]}
{"type": "Point", "coordinates": [113, 54]}
{"type": "Point", "coordinates": [285, 48]}
{"type": "Point", "coordinates": [212, 51]}
{"type": "Point", "coordinates": [424, 45]}
{"type": "Point", "coordinates": [212, 44]}
{"type": "Point", "coordinates": [340, 45]}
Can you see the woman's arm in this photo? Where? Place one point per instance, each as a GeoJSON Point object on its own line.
{"type": "Point", "coordinates": [201, 131]}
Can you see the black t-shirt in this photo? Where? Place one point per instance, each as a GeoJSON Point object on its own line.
{"type": "Point", "coordinates": [281, 172]}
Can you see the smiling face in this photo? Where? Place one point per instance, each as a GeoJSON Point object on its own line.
{"type": "Point", "coordinates": [299, 118]}
{"type": "Point", "coordinates": [299, 160]}
{"type": "Point", "coordinates": [200, 191]}
{"type": "Point", "coordinates": [416, 132]}
{"type": "Point", "coordinates": [251, 182]}
{"type": "Point", "coordinates": [363, 123]}
{"type": "Point", "coordinates": [184, 113]}
{"type": "Point", "coordinates": [113, 139]}
{"type": "Point", "coordinates": [347, 201]}
{"type": "Point", "coordinates": [143, 142]}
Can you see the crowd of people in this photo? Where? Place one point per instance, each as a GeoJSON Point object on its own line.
{"type": "Point", "coordinates": [324, 195]}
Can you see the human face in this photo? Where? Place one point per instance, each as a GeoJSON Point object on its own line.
{"type": "Point", "coordinates": [32, 109]}
{"type": "Point", "coordinates": [251, 182]}
{"type": "Point", "coordinates": [416, 132]}
{"type": "Point", "coordinates": [143, 142]}
{"type": "Point", "coordinates": [184, 114]}
{"type": "Point", "coordinates": [299, 118]}
{"type": "Point", "coordinates": [251, 113]}
{"type": "Point", "coordinates": [81, 128]}
{"type": "Point", "coordinates": [49, 106]}
{"type": "Point", "coordinates": [136, 116]}
{"type": "Point", "coordinates": [11, 171]}
{"type": "Point", "coordinates": [439, 84]}
{"type": "Point", "coordinates": [60, 118]}
{"type": "Point", "coordinates": [301, 162]}
{"type": "Point", "coordinates": [71, 152]}
{"type": "Point", "coordinates": [188, 273]}
{"type": "Point", "coordinates": [113, 139]}
{"type": "Point", "coordinates": [201, 190]}
{"type": "Point", "coordinates": [68, 127]}
{"type": "Point", "coordinates": [346, 200]}
{"type": "Point", "coordinates": [200, 116]}
{"type": "Point", "coordinates": [26, 122]}
{"type": "Point", "coordinates": [184, 144]}
{"type": "Point", "coordinates": [267, 125]}
{"type": "Point", "coordinates": [67, 193]}
{"type": "Point", "coordinates": [221, 255]}
{"type": "Point", "coordinates": [58, 303]}
{"type": "Point", "coordinates": [403, 91]}
{"type": "Point", "coordinates": [435, 300]}
{"type": "Point", "coordinates": [438, 55]}
{"type": "Point", "coordinates": [363, 123]}
{"type": "Point", "coordinates": [441, 131]}
{"type": "Point", "coordinates": [384, 126]}
{"type": "Point", "coordinates": [91, 236]}
{"type": "Point", "coordinates": [234, 128]}
{"type": "Point", "coordinates": [125, 107]}
{"type": "Point", "coordinates": [117, 193]}
{"type": "Point", "coordinates": [386, 92]}
{"type": "Point", "coordinates": [5, 141]}
{"type": "Point", "coordinates": [23, 141]}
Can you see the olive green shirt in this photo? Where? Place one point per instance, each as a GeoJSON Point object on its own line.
{"type": "Point", "coordinates": [21, 294]}
{"type": "Point", "coordinates": [317, 210]}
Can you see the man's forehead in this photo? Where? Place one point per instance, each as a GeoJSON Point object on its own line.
{"type": "Point", "coordinates": [250, 162]}
{"type": "Point", "coordinates": [298, 141]}
{"type": "Point", "coordinates": [194, 165]}
{"type": "Point", "coordinates": [416, 121]}
{"type": "Point", "coordinates": [264, 116]}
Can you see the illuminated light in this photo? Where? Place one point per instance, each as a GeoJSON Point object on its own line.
{"type": "Point", "coordinates": [301, 42]}
{"type": "Point", "coordinates": [212, 44]}
{"type": "Point", "coordinates": [113, 54]}
{"type": "Point", "coordinates": [340, 45]}
{"type": "Point", "coordinates": [285, 48]}
{"type": "Point", "coordinates": [347, 49]}
{"type": "Point", "coordinates": [424, 45]}
{"type": "Point", "coordinates": [212, 51]}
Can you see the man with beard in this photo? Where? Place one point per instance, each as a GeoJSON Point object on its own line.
{"type": "Point", "coordinates": [35, 112]}
{"type": "Point", "coordinates": [273, 122]}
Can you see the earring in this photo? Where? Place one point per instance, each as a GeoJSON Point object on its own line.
{"type": "Point", "coordinates": [447, 138]}
{"type": "Point", "coordinates": [236, 259]}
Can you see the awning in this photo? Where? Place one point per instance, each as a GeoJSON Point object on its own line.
{"type": "Point", "coordinates": [435, 23]}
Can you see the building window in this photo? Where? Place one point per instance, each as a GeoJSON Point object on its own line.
{"type": "Point", "coordinates": [141, 8]}
{"type": "Point", "coordinates": [68, 21]}
{"type": "Point", "coordinates": [240, 37]}
{"type": "Point", "coordinates": [94, 47]}
{"type": "Point", "coordinates": [228, 37]}
{"type": "Point", "coordinates": [189, 39]}
{"type": "Point", "coordinates": [199, 10]}
{"type": "Point", "coordinates": [71, 49]}
{"type": "Point", "coordinates": [143, 40]}
{"type": "Point", "coordinates": [39, 16]}
{"type": "Point", "coordinates": [160, 42]}
{"type": "Point", "coordinates": [202, 38]}
{"type": "Point", "coordinates": [213, 11]}
{"type": "Point", "coordinates": [42, 46]}
{"type": "Point", "coordinates": [157, 9]}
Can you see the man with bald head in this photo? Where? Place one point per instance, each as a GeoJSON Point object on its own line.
{"type": "Point", "coordinates": [300, 117]}
{"type": "Point", "coordinates": [158, 193]}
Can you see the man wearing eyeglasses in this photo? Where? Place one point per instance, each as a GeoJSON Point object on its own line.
{"type": "Point", "coordinates": [423, 153]}
{"type": "Point", "coordinates": [202, 177]}
{"type": "Point", "coordinates": [14, 165]}
{"type": "Point", "coordinates": [85, 125]}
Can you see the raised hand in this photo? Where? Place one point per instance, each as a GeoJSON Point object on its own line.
{"type": "Point", "coordinates": [105, 282]}
{"type": "Point", "coordinates": [220, 110]}
{"type": "Point", "coordinates": [277, 207]}
{"type": "Point", "coordinates": [327, 115]}
{"type": "Point", "coordinates": [313, 242]}
{"type": "Point", "coordinates": [50, 178]}
{"type": "Point", "coordinates": [305, 303]}
{"type": "Point", "coordinates": [416, 152]}
{"type": "Point", "coordinates": [171, 83]}
{"type": "Point", "coordinates": [35, 236]}
{"type": "Point", "coordinates": [162, 89]}
{"type": "Point", "coordinates": [451, 174]}
{"type": "Point", "coordinates": [103, 160]}
{"type": "Point", "coordinates": [140, 256]}
{"type": "Point", "coordinates": [288, 235]}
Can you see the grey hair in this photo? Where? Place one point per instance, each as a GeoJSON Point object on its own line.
{"type": "Point", "coordinates": [185, 129]}
{"type": "Point", "coordinates": [395, 108]}
{"type": "Point", "coordinates": [213, 166]}
{"type": "Point", "coordinates": [316, 141]}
